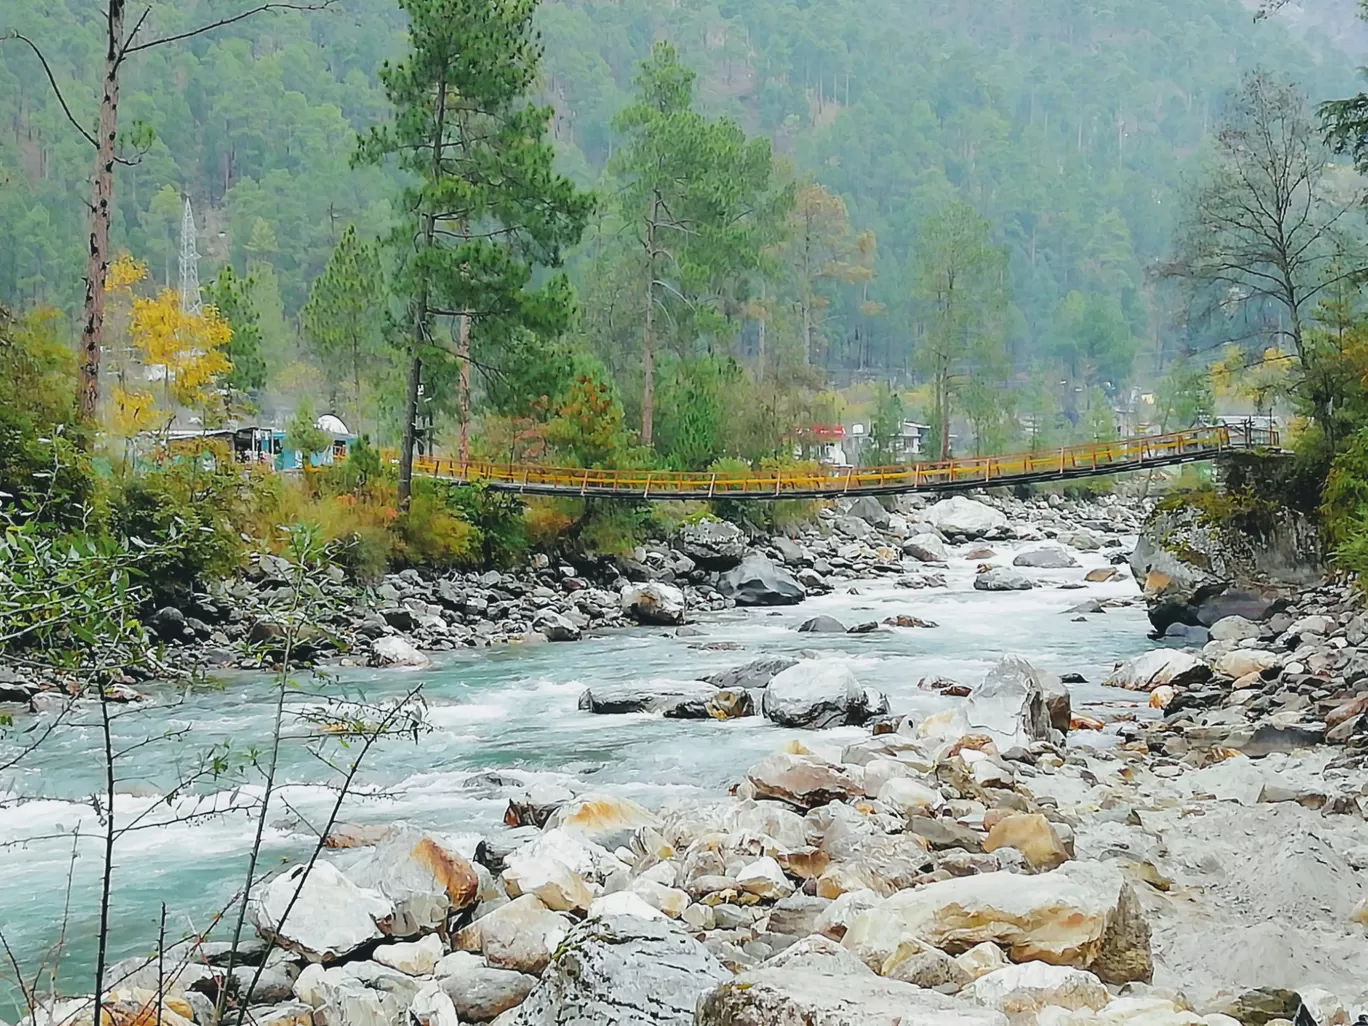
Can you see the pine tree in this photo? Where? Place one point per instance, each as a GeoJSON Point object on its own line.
{"type": "Point", "coordinates": [486, 207]}
{"type": "Point", "coordinates": [231, 296]}
{"type": "Point", "coordinates": [343, 321]}
{"type": "Point", "coordinates": [698, 195]}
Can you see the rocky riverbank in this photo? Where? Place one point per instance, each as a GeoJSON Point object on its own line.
{"type": "Point", "coordinates": [709, 565]}
{"type": "Point", "coordinates": [1191, 855]}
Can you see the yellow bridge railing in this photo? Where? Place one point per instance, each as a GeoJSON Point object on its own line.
{"type": "Point", "coordinates": [1054, 464]}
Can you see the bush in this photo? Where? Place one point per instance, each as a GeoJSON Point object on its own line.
{"type": "Point", "coordinates": [614, 528]}
{"type": "Point", "coordinates": [497, 518]}
{"type": "Point", "coordinates": [430, 535]}
{"type": "Point", "coordinates": [1344, 506]}
{"type": "Point", "coordinates": [198, 498]}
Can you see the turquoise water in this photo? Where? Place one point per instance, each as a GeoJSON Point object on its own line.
{"type": "Point", "coordinates": [512, 709]}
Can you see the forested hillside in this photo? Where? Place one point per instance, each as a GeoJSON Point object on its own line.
{"type": "Point", "coordinates": [1065, 124]}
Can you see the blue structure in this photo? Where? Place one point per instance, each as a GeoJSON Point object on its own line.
{"type": "Point", "coordinates": [267, 445]}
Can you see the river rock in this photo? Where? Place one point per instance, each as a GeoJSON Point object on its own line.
{"type": "Point", "coordinates": [1196, 569]}
{"type": "Point", "coordinates": [604, 819]}
{"type": "Point", "coordinates": [331, 918]}
{"type": "Point", "coordinates": [625, 903]}
{"type": "Point", "coordinates": [765, 879]}
{"type": "Point", "coordinates": [789, 551]}
{"type": "Point", "coordinates": [1244, 661]}
{"type": "Point", "coordinates": [1010, 704]}
{"type": "Point", "coordinates": [822, 625]}
{"type": "Point", "coordinates": [1032, 835]}
{"type": "Point", "coordinates": [555, 626]}
{"type": "Point", "coordinates": [1046, 557]}
{"type": "Point", "coordinates": [804, 781]}
{"type": "Point", "coordinates": [806, 997]}
{"type": "Point", "coordinates": [356, 994]}
{"type": "Point", "coordinates": [816, 694]}
{"type": "Point", "coordinates": [1019, 990]}
{"type": "Point", "coordinates": [753, 675]}
{"type": "Point", "coordinates": [1234, 628]}
{"type": "Point", "coordinates": [666, 698]}
{"type": "Point", "coordinates": [521, 935]}
{"type": "Point", "coordinates": [424, 878]}
{"type": "Point", "coordinates": [758, 582]}
{"type": "Point", "coordinates": [1157, 667]}
{"type": "Point", "coordinates": [1001, 578]}
{"type": "Point", "coordinates": [712, 544]}
{"type": "Point", "coordinates": [910, 797]}
{"type": "Point", "coordinates": [394, 652]}
{"type": "Point", "coordinates": [1081, 914]}
{"type": "Point", "coordinates": [623, 972]}
{"type": "Point", "coordinates": [926, 547]}
{"type": "Point", "coordinates": [855, 528]}
{"type": "Point", "coordinates": [558, 887]}
{"type": "Point", "coordinates": [868, 509]}
{"type": "Point", "coordinates": [432, 1006]}
{"type": "Point", "coordinates": [481, 993]}
{"type": "Point", "coordinates": [820, 955]}
{"type": "Point", "coordinates": [653, 603]}
{"type": "Point", "coordinates": [965, 518]}
{"type": "Point", "coordinates": [413, 958]}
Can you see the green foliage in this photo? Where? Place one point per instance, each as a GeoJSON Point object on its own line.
{"type": "Point", "coordinates": [431, 535]}
{"type": "Point", "coordinates": [187, 515]}
{"type": "Point", "coordinates": [301, 432]}
{"type": "Point", "coordinates": [232, 296]}
{"type": "Point", "coordinates": [960, 279]}
{"type": "Point", "coordinates": [614, 528]}
{"type": "Point", "coordinates": [587, 429]}
{"type": "Point", "coordinates": [1183, 398]}
{"type": "Point", "coordinates": [497, 518]}
{"type": "Point", "coordinates": [884, 426]}
{"type": "Point", "coordinates": [1345, 503]}
{"type": "Point", "coordinates": [44, 472]}
{"type": "Point", "coordinates": [344, 319]}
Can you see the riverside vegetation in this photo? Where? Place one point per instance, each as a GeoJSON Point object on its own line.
{"type": "Point", "coordinates": [610, 236]}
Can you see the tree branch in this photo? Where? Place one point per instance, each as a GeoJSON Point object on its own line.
{"type": "Point", "coordinates": [52, 79]}
{"type": "Point", "coordinates": [319, 6]}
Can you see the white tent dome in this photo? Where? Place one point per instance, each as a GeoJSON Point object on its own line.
{"type": "Point", "coordinates": [332, 425]}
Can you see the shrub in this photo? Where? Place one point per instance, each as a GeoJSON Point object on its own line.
{"type": "Point", "coordinates": [430, 535]}
{"type": "Point", "coordinates": [496, 516]}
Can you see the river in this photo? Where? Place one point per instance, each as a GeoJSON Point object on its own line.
{"type": "Point", "coordinates": [512, 708]}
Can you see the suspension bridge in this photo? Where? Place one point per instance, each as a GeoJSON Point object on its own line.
{"type": "Point", "coordinates": [1075, 461]}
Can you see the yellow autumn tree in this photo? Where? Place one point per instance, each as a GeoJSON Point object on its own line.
{"type": "Point", "coordinates": [1258, 379]}
{"type": "Point", "coordinates": [181, 350]}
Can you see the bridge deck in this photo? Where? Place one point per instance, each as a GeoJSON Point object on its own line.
{"type": "Point", "coordinates": [1075, 461]}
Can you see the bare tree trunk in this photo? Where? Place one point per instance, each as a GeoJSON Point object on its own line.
{"type": "Point", "coordinates": [102, 938]}
{"type": "Point", "coordinates": [463, 359]}
{"type": "Point", "coordinates": [101, 205]}
{"type": "Point", "coordinates": [648, 330]}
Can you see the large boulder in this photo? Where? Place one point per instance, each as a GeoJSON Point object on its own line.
{"type": "Point", "coordinates": [522, 935]}
{"type": "Point", "coordinates": [1046, 557]}
{"type": "Point", "coordinates": [712, 544]}
{"type": "Point", "coordinates": [806, 996]}
{"type": "Point", "coordinates": [678, 700]}
{"type": "Point", "coordinates": [357, 994]}
{"type": "Point", "coordinates": [1082, 914]}
{"type": "Point", "coordinates": [1001, 578]}
{"type": "Point", "coordinates": [481, 993]}
{"type": "Point", "coordinates": [604, 819]}
{"type": "Point", "coordinates": [814, 694]}
{"type": "Point", "coordinates": [753, 675]}
{"type": "Point", "coordinates": [804, 781]}
{"type": "Point", "coordinates": [331, 917]}
{"type": "Point", "coordinates": [822, 624]}
{"type": "Point", "coordinates": [1010, 704]}
{"type": "Point", "coordinates": [758, 582]}
{"type": "Point", "coordinates": [1198, 564]}
{"type": "Point", "coordinates": [962, 517]}
{"type": "Point", "coordinates": [424, 878]}
{"type": "Point", "coordinates": [653, 603]}
{"type": "Point", "coordinates": [1157, 667]}
{"type": "Point", "coordinates": [868, 509]}
{"type": "Point", "coordinates": [1020, 990]}
{"type": "Point", "coordinates": [623, 971]}
{"type": "Point", "coordinates": [926, 547]}
{"type": "Point", "coordinates": [395, 652]}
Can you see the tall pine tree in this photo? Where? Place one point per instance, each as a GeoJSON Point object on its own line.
{"type": "Point", "coordinates": [343, 322]}
{"type": "Point", "coordinates": [484, 207]}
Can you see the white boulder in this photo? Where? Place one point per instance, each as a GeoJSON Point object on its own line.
{"type": "Point", "coordinates": [330, 918]}
{"type": "Point", "coordinates": [965, 518]}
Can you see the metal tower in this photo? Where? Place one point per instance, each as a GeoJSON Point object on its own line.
{"type": "Point", "coordinates": [189, 264]}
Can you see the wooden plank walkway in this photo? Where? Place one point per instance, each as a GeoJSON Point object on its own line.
{"type": "Point", "coordinates": [1129, 454]}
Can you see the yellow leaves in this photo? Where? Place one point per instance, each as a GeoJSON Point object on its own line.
{"type": "Point", "coordinates": [186, 346]}
{"type": "Point", "coordinates": [124, 273]}
{"type": "Point", "coordinates": [134, 411]}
